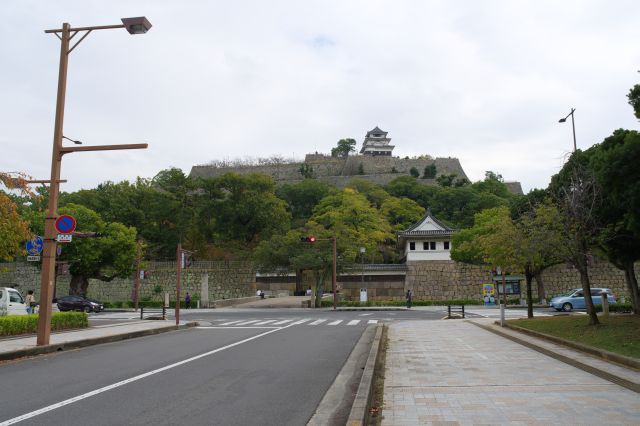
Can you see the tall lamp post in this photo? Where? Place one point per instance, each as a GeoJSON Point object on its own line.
{"type": "Point", "coordinates": [573, 125]}
{"type": "Point", "coordinates": [138, 25]}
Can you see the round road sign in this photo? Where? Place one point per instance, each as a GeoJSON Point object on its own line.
{"type": "Point", "coordinates": [65, 224]}
{"type": "Point", "coordinates": [34, 246]}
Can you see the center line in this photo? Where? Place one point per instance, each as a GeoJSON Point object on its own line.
{"type": "Point", "coordinates": [131, 380]}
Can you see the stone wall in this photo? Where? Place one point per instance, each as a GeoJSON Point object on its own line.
{"type": "Point", "coordinates": [445, 280]}
{"type": "Point", "coordinates": [561, 278]}
{"type": "Point", "coordinates": [338, 171]}
{"type": "Point", "coordinates": [226, 280]}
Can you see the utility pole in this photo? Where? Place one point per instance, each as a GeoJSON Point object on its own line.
{"type": "Point", "coordinates": [179, 256]}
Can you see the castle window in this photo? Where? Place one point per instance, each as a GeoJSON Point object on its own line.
{"type": "Point", "coordinates": [446, 245]}
{"type": "Point", "coordinates": [425, 245]}
{"type": "Point", "coordinates": [412, 246]}
{"type": "Point", "coordinates": [433, 245]}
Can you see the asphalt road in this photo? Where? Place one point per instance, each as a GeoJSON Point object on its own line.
{"type": "Point", "coordinates": [209, 375]}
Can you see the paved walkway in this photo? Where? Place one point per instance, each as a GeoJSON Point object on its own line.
{"type": "Point", "coordinates": [101, 333]}
{"type": "Point", "coordinates": [455, 373]}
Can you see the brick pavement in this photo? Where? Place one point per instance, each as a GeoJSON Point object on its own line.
{"type": "Point", "coordinates": [455, 373]}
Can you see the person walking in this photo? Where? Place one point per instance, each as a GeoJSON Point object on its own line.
{"type": "Point", "coordinates": [408, 296]}
{"type": "Point", "coordinates": [30, 301]}
{"type": "Point", "coordinates": [187, 301]}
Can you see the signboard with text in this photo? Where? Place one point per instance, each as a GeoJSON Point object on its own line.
{"type": "Point", "coordinates": [489, 294]}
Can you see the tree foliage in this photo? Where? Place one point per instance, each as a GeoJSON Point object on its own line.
{"type": "Point", "coordinates": [14, 231]}
{"type": "Point", "coordinates": [634, 100]}
{"type": "Point", "coordinates": [106, 257]}
{"type": "Point", "coordinates": [344, 148]}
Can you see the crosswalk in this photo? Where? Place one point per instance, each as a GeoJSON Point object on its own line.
{"type": "Point", "coordinates": [275, 323]}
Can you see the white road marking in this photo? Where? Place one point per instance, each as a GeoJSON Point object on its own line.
{"type": "Point", "coordinates": [353, 322]}
{"type": "Point", "coordinates": [281, 322]}
{"type": "Point", "coordinates": [231, 322]}
{"type": "Point", "coordinates": [364, 315]}
{"type": "Point", "coordinates": [130, 380]}
{"type": "Point", "coordinates": [235, 328]}
{"type": "Point", "coordinates": [320, 321]}
{"type": "Point", "coordinates": [247, 322]}
{"type": "Point", "coordinates": [372, 322]}
{"type": "Point", "coordinates": [335, 322]}
{"type": "Point", "coordinates": [302, 321]}
{"type": "Point", "coordinates": [265, 322]}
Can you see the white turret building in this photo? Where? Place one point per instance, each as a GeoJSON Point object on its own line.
{"type": "Point", "coordinates": [427, 239]}
{"type": "Point", "coordinates": [376, 143]}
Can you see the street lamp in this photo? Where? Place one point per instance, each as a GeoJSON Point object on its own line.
{"type": "Point", "coordinates": [562, 120]}
{"type": "Point", "coordinates": [134, 26]}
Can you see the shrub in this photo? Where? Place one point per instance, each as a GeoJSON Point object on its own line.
{"type": "Point", "coordinates": [414, 172]}
{"type": "Point", "coordinates": [12, 325]}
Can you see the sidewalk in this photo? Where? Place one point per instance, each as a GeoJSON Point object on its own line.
{"type": "Point", "coordinates": [17, 347]}
{"type": "Point", "coordinates": [454, 372]}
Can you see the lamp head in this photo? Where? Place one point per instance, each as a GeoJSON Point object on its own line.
{"type": "Point", "coordinates": [562, 120]}
{"type": "Point", "coordinates": [138, 25]}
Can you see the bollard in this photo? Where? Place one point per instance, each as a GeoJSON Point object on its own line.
{"type": "Point", "coordinates": [605, 303]}
{"type": "Point", "coordinates": [501, 315]}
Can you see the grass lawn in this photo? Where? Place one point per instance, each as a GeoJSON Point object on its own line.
{"type": "Point", "coordinates": [617, 333]}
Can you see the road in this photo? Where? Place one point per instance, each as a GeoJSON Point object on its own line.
{"type": "Point", "coordinates": [240, 367]}
{"type": "Point", "coordinates": [244, 374]}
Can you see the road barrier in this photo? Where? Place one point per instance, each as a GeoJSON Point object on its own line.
{"type": "Point", "coordinates": [458, 311]}
{"type": "Point", "coordinates": [153, 313]}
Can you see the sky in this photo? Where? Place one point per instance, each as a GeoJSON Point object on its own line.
{"type": "Point", "coordinates": [482, 81]}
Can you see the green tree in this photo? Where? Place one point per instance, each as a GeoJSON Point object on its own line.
{"type": "Point", "coordinates": [414, 172]}
{"type": "Point", "coordinates": [344, 147]}
{"type": "Point", "coordinates": [306, 170]}
{"type": "Point", "coordinates": [374, 193]}
{"type": "Point", "coordinates": [109, 256]}
{"type": "Point", "coordinates": [615, 165]}
{"type": "Point", "coordinates": [302, 197]}
{"type": "Point", "coordinates": [360, 169]}
{"type": "Point", "coordinates": [401, 212]}
{"type": "Point", "coordinates": [634, 100]}
{"type": "Point", "coordinates": [349, 216]}
{"type": "Point", "coordinates": [250, 210]}
{"type": "Point", "coordinates": [430, 171]}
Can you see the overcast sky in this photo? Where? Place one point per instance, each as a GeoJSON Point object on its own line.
{"type": "Point", "coordinates": [483, 81]}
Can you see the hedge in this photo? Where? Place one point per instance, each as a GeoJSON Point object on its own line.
{"type": "Point", "coordinates": [12, 325]}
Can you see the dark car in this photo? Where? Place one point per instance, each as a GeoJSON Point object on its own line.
{"type": "Point", "coordinates": [78, 303]}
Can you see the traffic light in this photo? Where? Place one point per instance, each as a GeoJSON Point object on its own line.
{"type": "Point", "coordinates": [308, 239]}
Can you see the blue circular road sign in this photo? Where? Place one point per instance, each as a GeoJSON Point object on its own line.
{"type": "Point", "coordinates": [35, 246]}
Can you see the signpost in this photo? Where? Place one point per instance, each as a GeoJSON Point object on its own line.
{"type": "Point", "coordinates": [65, 225]}
{"type": "Point", "coordinates": [34, 248]}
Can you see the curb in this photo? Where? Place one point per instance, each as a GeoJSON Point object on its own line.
{"type": "Point", "coordinates": [41, 350]}
{"type": "Point", "coordinates": [600, 353]}
{"type": "Point", "coordinates": [359, 414]}
{"type": "Point", "coordinates": [635, 387]}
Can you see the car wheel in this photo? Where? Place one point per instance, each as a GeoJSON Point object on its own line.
{"type": "Point", "coordinates": [87, 309]}
{"type": "Point", "coordinates": [567, 307]}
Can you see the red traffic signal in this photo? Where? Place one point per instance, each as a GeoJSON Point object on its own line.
{"type": "Point", "coordinates": [308, 239]}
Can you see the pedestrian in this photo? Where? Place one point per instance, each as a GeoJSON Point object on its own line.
{"type": "Point", "coordinates": [187, 301]}
{"type": "Point", "coordinates": [408, 296]}
{"type": "Point", "coordinates": [30, 301]}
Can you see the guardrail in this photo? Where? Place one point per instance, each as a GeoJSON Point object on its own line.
{"type": "Point", "coordinates": [153, 312]}
{"type": "Point", "coordinates": [458, 311]}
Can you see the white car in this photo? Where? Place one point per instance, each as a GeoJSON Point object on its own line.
{"type": "Point", "coordinates": [11, 302]}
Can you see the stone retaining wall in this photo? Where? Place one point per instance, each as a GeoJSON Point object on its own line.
{"type": "Point", "coordinates": [338, 171]}
{"type": "Point", "coordinates": [226, 280]}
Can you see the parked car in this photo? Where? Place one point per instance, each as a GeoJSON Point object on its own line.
{"type": "Point", "coordinates": [79, 303]}
{"type": "Point", "coordinates": [11, 302]}
{"type": "Point", "coordinates": [575, 299]}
